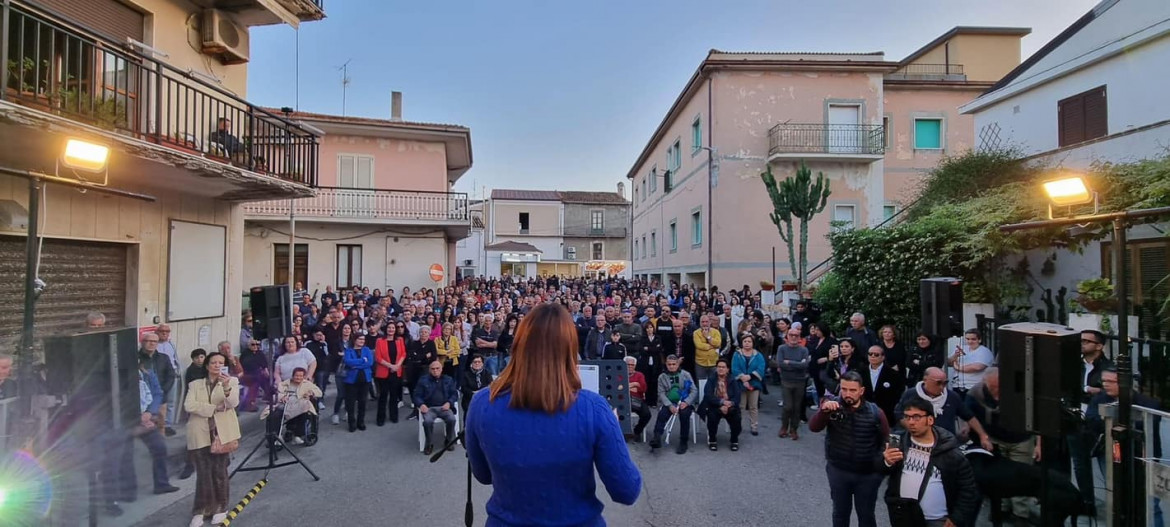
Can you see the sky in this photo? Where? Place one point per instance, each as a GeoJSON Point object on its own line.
{"type": "Point", "coordinates": [564, 95]}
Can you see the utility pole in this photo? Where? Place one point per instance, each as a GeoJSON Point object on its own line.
{"type": "Point", "coordinates": [344, 69]}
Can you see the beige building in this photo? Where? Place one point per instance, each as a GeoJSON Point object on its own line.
{"type": "Point", "coordinates": [555, 233]}
{"type": "Point", "coordinates": [384, 212]}
{"type": "Point", "coordinates": [158, 235]}
{"type": "Point", "coordinates": [872, 126]}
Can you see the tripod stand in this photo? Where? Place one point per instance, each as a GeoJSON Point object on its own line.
{"type": "Point", "coordinates": [273, 440]}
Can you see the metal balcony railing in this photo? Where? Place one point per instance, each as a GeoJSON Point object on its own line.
{"type": "Point", "coordinates": [845, 139]}
{"type": "Point", "coordinates": [54, 66]}
{"type": "Point", "coordinates": [406, 205]}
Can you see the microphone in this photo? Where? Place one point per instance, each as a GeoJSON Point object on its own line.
{"type": "Point", "coordinates": [458, 437]}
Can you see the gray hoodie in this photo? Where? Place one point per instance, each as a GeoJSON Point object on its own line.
{"type": "Point", "coordinates": [796, 371]}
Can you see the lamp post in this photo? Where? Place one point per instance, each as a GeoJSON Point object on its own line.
{"type": "Point", "coordinates": [1069, 191]}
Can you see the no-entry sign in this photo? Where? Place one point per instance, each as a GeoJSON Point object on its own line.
{"type": "Point", "coordinates": [437, 273]}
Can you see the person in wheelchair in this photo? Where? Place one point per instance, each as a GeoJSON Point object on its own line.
{"type": "Point", "coordinates": [296, 409]}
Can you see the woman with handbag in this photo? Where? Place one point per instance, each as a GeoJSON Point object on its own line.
{"type": "Point", "coordinates": [213, 433]}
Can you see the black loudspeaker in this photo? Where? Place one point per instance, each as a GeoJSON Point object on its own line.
{"type": "Point", "coordinates": [942, 306]}
{"type": "Point", "coordinates": [271, 312]}
{"type": "Point", "coordinates": [1040, 371]}
{"type": "Point", "coordinates": [98, 373]}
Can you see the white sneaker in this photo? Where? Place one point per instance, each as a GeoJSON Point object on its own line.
{"type": "Point", "coordinates": [297, 441]}
{"type": "Point", "coordinates": [218, 519]}
{"type": "Point", "coordinates": [197, 521]}
{"type": "Point", "coordinates": [336, 420]}
{"type": "Point", "coordinates": [320, 407]}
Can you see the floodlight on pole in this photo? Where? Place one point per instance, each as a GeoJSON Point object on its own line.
{"type": "Point", "coordinates": [1069, 191]}
{"type": "Point", "coordinates": [84, 155]}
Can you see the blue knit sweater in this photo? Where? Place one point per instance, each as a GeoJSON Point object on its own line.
{"type": "Point", "coordinates": [540, 466]}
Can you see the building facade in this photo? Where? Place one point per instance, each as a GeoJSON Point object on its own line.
{"type": "Point", "coordinates": [157, 235]}
{"type": "Point", "coordinates": [873, 127]}
{"type": "Point", "coordinates": [555, 233]}
{"type": "Point", "coordinates": [1091, 95]}
{"type": "Point", "coordinates": [384, 213]}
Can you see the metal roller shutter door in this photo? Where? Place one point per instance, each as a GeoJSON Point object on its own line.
{"type": "Point", "coordinates": [108, 17]}
{"type": "Point", "coordinates": [82, 277]}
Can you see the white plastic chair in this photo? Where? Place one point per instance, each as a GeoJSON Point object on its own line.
{"type": "Point", "coordinates": [670, 426]}
{"type": "Point", "coordinates": [422, 435]}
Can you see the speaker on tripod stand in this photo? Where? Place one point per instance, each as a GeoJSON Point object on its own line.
{"type": "Point", "coordinates": [271, 312]}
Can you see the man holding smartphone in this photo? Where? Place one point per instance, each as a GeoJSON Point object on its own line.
{"type": "Point", "coordinates": [931, 482]}
{"type": "Point", "coordinates": [856, 433]}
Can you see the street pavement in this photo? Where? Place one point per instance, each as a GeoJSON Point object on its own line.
{"type": "Point", "coordinates": [379, 477]}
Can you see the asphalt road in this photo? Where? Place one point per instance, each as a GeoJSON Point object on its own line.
{"type": "Point", "coordinates": [378, 477]}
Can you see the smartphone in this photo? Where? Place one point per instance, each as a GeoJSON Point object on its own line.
{"type": "Point", "coordinates": [895, 441]}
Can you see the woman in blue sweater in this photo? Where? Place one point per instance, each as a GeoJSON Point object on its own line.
{"type": "Point", "coordinates": [358, 361]}
{"type": "Point", "coordinates": [536, 436]}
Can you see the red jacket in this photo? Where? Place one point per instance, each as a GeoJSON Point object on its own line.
{"type": "Point", "coordinates": [384, 352]}
{"type": "Point", "coordinates": [640, 380]}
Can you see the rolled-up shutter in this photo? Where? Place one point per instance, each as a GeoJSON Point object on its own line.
{"type": "Point", "coordinates": [80, 277]}
{"type": "Point", "coordinates": [111, 18]}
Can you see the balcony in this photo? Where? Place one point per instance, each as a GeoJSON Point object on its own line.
{"type": "Point", "coordinates": [826, 142]}
{"type": "Point", "coordinates": [71, 77]}
{"type": "Point", "coordinates": [347, 205]}
{"type": "Point", "coordinates": [590, 232]}
{"type": "Point", "coordinates": [929, 72]}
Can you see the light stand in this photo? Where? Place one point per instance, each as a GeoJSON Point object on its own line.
{"type": "Point", "coordinates": [272, 440]}
{"type": "Point", "coordinates": [1123, 493]}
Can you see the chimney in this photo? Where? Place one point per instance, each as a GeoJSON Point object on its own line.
{"type": "Point", "coordinates": [622, 189]}
{"type": "Point", "coordinates": [396, 106]}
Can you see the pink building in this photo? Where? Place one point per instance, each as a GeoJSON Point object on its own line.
{"type": "Point", "coordinates": [384, 212]}
{"type": "Point", "coordinates": [872, 126]}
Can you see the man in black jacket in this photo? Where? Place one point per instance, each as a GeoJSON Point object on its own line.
{"type": "Point", "coordinates": [928, 468]}
{"type": "Point", "coordinates": [883, 385]}
{"type": "Point", "coordinates": [855, 433]}
{"type": "Point", "coordinates": [1080, 443]}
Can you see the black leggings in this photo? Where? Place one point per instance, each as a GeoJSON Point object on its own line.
{"type": "Point", "coordinates": [389, 392]}
{"type": "Point", "coordinates": [356, 394]}
{"type": "Point", "coordinates": [734, 421]}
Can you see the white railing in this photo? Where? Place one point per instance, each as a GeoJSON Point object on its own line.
{"type": "Point", "coordinates": [333, 202]}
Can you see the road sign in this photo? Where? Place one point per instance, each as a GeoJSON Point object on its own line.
{"type": "Point", "coordinates": [437, 273]}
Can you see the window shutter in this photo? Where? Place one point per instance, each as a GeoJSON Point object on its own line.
{"type": "Point", "coordinates": [346, 171]}
{"type": "Point", "coordinates": [365, 173]}
{"type": "Point", "coordinates": [1096, 115]}
{"type": "Point", "coordinates": [1072, 120]}
{"type": "Point", "coordinates": [111, 18]}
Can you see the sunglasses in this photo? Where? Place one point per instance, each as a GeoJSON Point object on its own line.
{"type": "Point", "coordinates": [876, 354]}
{"type": "Point", "coordinates": [1089, 341]}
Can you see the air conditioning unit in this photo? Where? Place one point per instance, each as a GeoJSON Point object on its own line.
{"type": "Point", "coordinates": [224, 38]}
{"type": "Point", "coordinates": [467, 263]}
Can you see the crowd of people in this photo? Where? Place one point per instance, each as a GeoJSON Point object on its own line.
{"type": "Point", "coordinates": [885, 406]}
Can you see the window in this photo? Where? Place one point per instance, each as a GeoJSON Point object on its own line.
{"type": "Point", "coordinates": [676, 163]}
{"type": "Point", "coordinates": [653, 179]}
{"type": "Point", "coordinates": [599, 251]}
{"type": "Point", "coordinates": [844, 216]}
{"type": "Point", "coordinates": [886, 132]}
{"type": "Point", "coordinates": [280, 264]}
{"type": "Point", "coordinates": [644, 180]}
{"type": "Point", "coordinates": [355, 171]}
{"type": "Point", "coordinates": [636, 194]}
{"type": "Point", "coordinates": [571, 253]}
{"type": "Point", "coordinates": [643, 246]}
{"type": "Point", "coordinates": [1146, 263]}
{"type": "Point", "coordinates": [697, 228]}
{"type": "Point", "coordinates": [523, 223]}
{"type": "Point", "coordinates": [636, 249]}
{"type": "Point", "coordinates": [888, 211]}
{"type": "Point", "coordinates": [349, 265]}
{"type": "Point", "coordinates": [597, 220]}
{"type": "Point", "coordinates": [673, 236]}
{"type": "Point", "coordinates": [653, 243]}
{"type": "Point", "coordinates": [696, 135]}
{"type": "Point", "coordinates": [1082, 117]}
{"type": "Point", "coordinates": [928, 134]}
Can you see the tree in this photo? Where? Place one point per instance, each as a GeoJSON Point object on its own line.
{"type": "Point", "coordinates": [800, 198]}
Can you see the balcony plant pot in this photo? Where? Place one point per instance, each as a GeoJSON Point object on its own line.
{"type": "Point", "coordinates": [177, 143]}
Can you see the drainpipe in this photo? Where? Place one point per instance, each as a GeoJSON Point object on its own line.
{"type": "Point", "coordinates": [710, 189]}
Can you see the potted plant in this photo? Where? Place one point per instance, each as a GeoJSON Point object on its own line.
{"type": "Point", "coordinates": [104, 112]}
{"type": "Point", "coordinates": [767, 286]}
{"type": "Point", "coordinates": [1095, 295]}
{"type": "Point", "coordinates": [24, 85]}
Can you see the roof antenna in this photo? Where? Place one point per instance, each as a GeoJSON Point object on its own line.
{"type": "Point", "coordinates": [344, 69]}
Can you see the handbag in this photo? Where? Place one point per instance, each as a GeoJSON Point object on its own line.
{"type": "Point", "coordinates": [217, 446]}
{"type": "Point", "coordinates": [907, 512]}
